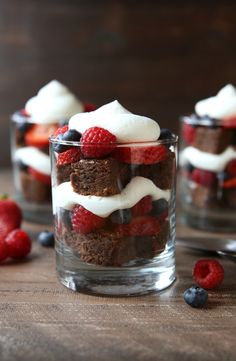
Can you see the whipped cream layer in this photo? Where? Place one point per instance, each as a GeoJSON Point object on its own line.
{"type": "Point", "coordinates": [52, 103]}
{"type": "Point", "coordinates": [126, 126]}
{"type": "Point", "coordinates": [206, 161]}
{"type": "Point", "coordinates": [33, 157]}
{"type": "Point", "coordinates": [221, 106]}
{"type": "Point", "coordinates": [136, 189]}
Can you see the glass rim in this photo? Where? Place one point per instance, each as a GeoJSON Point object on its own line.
{"type": "Point", "coordinates": [18, 117]}
{"type": "Point", "coordinates": [170, 141]}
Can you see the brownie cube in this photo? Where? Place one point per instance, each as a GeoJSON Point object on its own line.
{"type": "Point", "coordinates": [34, 190]}
{"type": "Point", "coordinates": [212, 140]}
{"type": "Point", "coordinates": [63, 173]}
{"type": "Point", "coordinates": [204, 197]}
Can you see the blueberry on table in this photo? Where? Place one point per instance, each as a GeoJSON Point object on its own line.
{"type": "Point", "coordinates": [46, 239]}
{"type": "Point", "coordinates": [195, 296]}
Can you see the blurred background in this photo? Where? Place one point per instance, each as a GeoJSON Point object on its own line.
{"type": "Point", "coordinates": [156, 57]}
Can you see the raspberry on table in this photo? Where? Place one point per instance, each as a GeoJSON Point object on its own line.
{"type": "Point", "coordinates": [143, 207]}
{"type": "Point", "coordinates": [208, 273]}
{"type": "Point", "coordinates": [84, 221]}
{"type": "Point", "coordinates": [10, 216]}
{"type": "Point", "coordinates": [195, 296]}
{"type": "Point", "coordinates": [71, 155]}
{"type": "Point", "coordinates": [18, 244]}
{"type": "Point", "coordinates": [141, 154]}
{"type": "Point", "coordinates": [97, 142]}
{"type": "Point", "coordinates": [188, 133]}
{"type": "Point", "coordinates": [3, 250]}
{"type": "Point", "coordinates": [203, 177]}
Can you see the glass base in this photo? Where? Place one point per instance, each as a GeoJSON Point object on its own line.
{"type": "Point", "coordinates": [113, 281]}
{"type": "Point", "coordinates": [208, 220]}
{"type": "Point", "coordinates": [38, 213]}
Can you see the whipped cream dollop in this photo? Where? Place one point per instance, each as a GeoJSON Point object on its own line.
{"type": "Point", "coordinates": [33, 157]}
{"type": "Point", "coordinates": [220, 106]}
{"type": "Point", "coordinates": [126, 126]}
{"type": "Point", "coordinates": [52, 103]}
{"type": "Point", "coordinates": [136, 189]}
{"type": "Point", "coordinates": [207, 161]}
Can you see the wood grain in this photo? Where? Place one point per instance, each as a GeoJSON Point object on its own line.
{"type": "Point", "coordinates": [42, 320]}
{"type": "Point", "coordinates": [157, 57]}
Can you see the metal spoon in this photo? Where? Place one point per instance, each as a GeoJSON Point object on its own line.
{"type": "Point", "coordinates": [222, 247]}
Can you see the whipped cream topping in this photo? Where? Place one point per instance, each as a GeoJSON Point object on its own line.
{"type": "Point", "coordinates": [220, 106]}
{"type": "Point", "coordinates": [206, 161]}
{"type": "Point", "coordinates": [136, 189]}
{"type": "Point", "coordinates": [33, 157]}
{"type": "Point", "coordinates": [52, 103]}
{"type": "Point", "coordinates": [126, 126]}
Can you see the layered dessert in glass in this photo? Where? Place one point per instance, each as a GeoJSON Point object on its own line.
{"type": "Point", "coordinates": [208, 163]}
{"type": "Point", "coordinates": [31, 127]}
{"type": "Point", "coordinates": [114, 202]}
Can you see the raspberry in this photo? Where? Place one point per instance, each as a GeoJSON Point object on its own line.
{"type": "Point", "coordinates": [203, 177]}
{"type": "Point", "coordinates": [140, 226]}
{"type": "Point", "coordinates": [195, 296]}
{"type": "Point", "coordinates": [229, 122]}
{"type": "Point", "coordinates": [230, 183]}
{"type": "Point", "coordinates": [144, 206]}
{"type": "Point", "coordinates": [18, 243]}
{"type": "Point", "coordinates": [84, 221]}
{"type": "Point", "coordinates": [3, 250]}
{"type": "Point", "coordinates": [208, 273]}
{"type": "Point", "coordinates": [141, 154]}
{"type": "Point", "coordinates": [61, 130]}
{"type": "Point", "coordinates": [69, 156]}
{"type": "Point", "coordinates": [89, 107]}
{"type": "Point", "coordinates": [188, 133]}
{"type": "Point", "coordinates": [41, 177]}
{"type": "Point", "coordinates": [231, 168]}
{"type": "Point", "coordinates": [97, 142]}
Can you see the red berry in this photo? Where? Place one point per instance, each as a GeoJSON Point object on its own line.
{"type": "Point", "coordinates": [61, 130]}
{"type": "Point", "coordinates": [18, 243]}
{"type": "Point", "coordinates": [140, 226]}
{"type": "Point", "coordinates": [188, 133]}
{"type": "Point", "coordinates": [10, 216]}
{"type": "Point", "coordinates": [38, 134]}
{"type": "Point", "coordinates": [41, 177]}
{"type": "Point", "coordinates": [24, 113]}
{"type": "Point", "coordinates": [69, 156]}
{"type": "Point", "coordinates": [208, 273]}
{"type": "Point", "coordinates": [144, 206]}
{"type": "Point", "coordinates": [89, 107]}
{"type": "Point", "coordinates": [229, 122]}
{"type": "Point", "coordinates": [230, 183]}
{"type": "Point", "coordinates": [203, 177]}
{"type": "Point", "coordinates": [84, 221]}
{"type": "Point", "coordinates": [141, 154]}
{"type": "Point", "coordinates": [3, 250]}
{"type": "Point", "coordinates": [231, 168]}
{"type": "Point", "coordinates": [97, 142]}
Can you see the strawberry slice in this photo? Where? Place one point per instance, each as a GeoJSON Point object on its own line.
{"type": "Point", "coordinates": [230, 183]}
{"type": "Point", "coordinates": [43, 178]}
{"type": "Point", "coordinates": [140, 226]}
{"type": "Point", "coordinates": [141, 154]}
{"type": "Point", "coordinates": [38, 135]}
{"type": "Point", "coordinates": [229, 122]}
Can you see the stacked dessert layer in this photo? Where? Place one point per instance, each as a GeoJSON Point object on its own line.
{"type": "Point", "coordinates": [111, 199]}
{"type": "Point", "coordinates": [42, 115]}
{"type": "Point", "coordinates": [208, 156]}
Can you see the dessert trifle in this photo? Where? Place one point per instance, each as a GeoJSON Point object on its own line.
{"type": "Point", "coordinates": [31, 127]}
{"type": "Point", "coordinates": [113, 191]}
{"type": "Point", "coordinates": [208, 163]}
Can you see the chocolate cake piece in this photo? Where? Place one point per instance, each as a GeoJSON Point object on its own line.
{"type": "Point", "coordinates": [212, 140]}
{"type": "Point", "coordinates": [99, 177]}
{"type": "Point", "coordinates": [63, 173]}
{"type": "Point", "coordinates": [160, 173]}
{"type": "Point", "coordinates": [33, 190]}
{"type": "Point", "coordinates": [204, 197]}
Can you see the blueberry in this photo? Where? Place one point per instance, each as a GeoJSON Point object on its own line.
{"type": "Point", "coordinates": [59, 148]}
{"type": "Point", "coordinates": [46, 239]}
{"type": "Point", "coordinates": [159, 206]}
{"type": "Point", "coordinates": [22, 166]}
{"type": "Point", "coordinates": [189, 167]}
{"type": "Point", "coordinates": [122, 216]}
{"type": "Point", "coordinates": [222, 176]}
{"type": "Point", "coordinates": [195, 296]}
{"type": "Point", "coordinates": [165, 134]}
{"type": "Point", "coordinates": [71, 135]}
{"type": "Point", "coordinates": [23, 127]}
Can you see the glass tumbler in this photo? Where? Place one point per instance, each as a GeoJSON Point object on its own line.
{"type": "Point", "coordinates": [31, 166]}
{"type": "Point", "coordinates": [207, 163]}
{"type": "Point", "coordinates": [114, 216]}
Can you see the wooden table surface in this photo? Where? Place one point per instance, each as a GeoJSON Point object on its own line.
{"type": "Point", "coordinates": [42, 320]}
